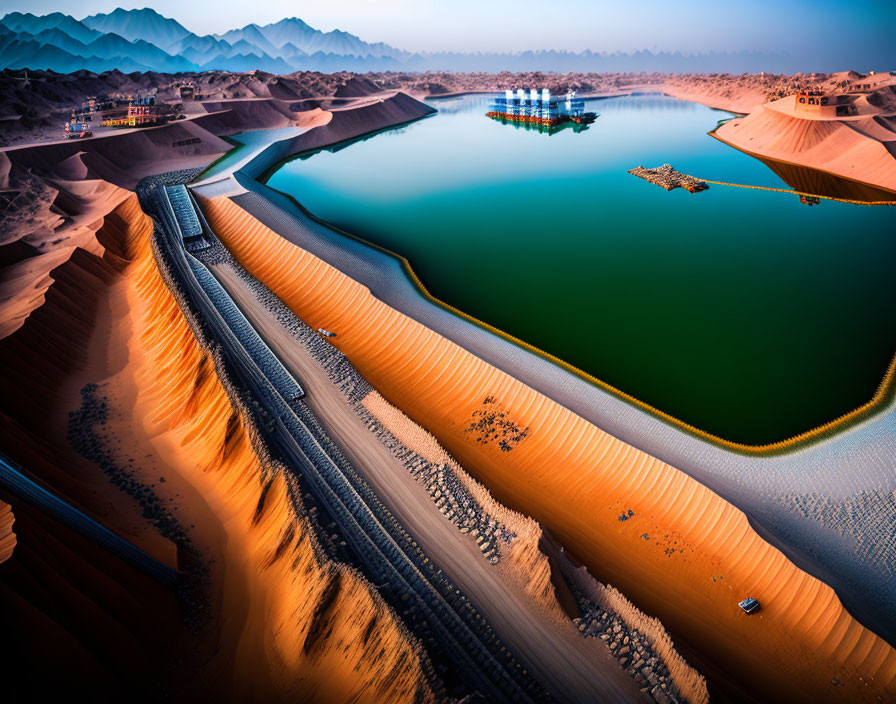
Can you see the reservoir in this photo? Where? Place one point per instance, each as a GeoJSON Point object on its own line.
{"type": "Point", "coordinates": [745, 313]}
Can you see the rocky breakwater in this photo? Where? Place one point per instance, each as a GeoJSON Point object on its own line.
{"type": "Point", "coordinates": [666, 177]}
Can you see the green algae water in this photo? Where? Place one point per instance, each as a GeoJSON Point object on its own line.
{"type": "Point", "coordinates": [747, 314]}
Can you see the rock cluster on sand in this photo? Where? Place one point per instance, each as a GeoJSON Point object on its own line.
{"type": "Point", "coordinates": [631, 650]}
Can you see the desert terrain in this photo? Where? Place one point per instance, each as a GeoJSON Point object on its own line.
{"type": "Point", "coordinates": [610, 572]}
{"type": "Point", "coordinates": [858, 147]}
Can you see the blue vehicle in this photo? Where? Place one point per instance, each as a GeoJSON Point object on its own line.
{"type": "Point", "coordinates": [750, 605]}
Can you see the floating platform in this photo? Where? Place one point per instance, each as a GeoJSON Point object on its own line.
{"type": "Point", "coordinates": [527, 119]}
{"type": "Point", "coordinates": [585, 119]}
{"type": "Point", "coordinates": [543, 128]}
{"type": "Point", "coordinates": [667, 177]}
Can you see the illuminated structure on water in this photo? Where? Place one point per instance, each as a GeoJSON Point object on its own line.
{"type": "Point", "coordinates": [539, 108]}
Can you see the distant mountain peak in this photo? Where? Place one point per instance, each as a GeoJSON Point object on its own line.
{"type": "Point", "coordinates": [144, 39]}
{"type": "Point", "coordinates": [146, 24]}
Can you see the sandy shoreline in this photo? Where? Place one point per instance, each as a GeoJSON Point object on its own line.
{"type": "Point", "coordinates": [784, 162]}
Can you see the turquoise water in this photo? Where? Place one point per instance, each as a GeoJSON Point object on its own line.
{"type": "Point", "coordinates": [745, 313]}
{"type": "Point", "coordinates": [244, 145]}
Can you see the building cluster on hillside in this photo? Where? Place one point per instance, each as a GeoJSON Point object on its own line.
{"type": "Point", "coordinates": [188, 90]}
{"type": "Point", "coordinates": [825, 104]}
{"type": "Point", "coordinates": [112, 111]}
{"type": "Point", "coordinates": [840, 99]}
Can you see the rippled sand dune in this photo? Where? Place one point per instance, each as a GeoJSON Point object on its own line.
{"type": "Point", "coordinates": [676, 549]}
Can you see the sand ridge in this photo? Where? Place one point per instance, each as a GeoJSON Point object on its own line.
{"type": "Point", "coordinates": [527, 566]}
{"type": "Point", "coordinates": [859, 147]}
{"type": "Point", "coordinates": [314, 626]}
{"type": "Point", "coordinates": [7, 536]}
{"type": "Point", "coordinates": [282, 622]}
{"type": "Point", "coordinates": [685, 555]}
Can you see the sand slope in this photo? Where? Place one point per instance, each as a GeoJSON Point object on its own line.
{"type": "Point", "coordinates": [281, 623]}
{"type": "Point", "coordinates": [7, 537]}
{"type": "Point", "coordinates": [855, 149]}
{"type": "Point", "coordinates": [313, 626]}
{"type": "Point", "coordinates": [717, 95]}
{"type": "Point", "coordinates": [683, 554]}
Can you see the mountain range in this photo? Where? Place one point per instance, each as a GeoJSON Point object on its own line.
{"type": "Point", "coordinates": [144, 40]}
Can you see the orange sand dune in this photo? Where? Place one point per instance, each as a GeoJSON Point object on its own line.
{"type": "Point", "coordinates": [684, 555]}
{"type": "Point", "coordinates": [67, 211]}
{"type": "Point", "coordinates": [282, 622]}
{"type": "Point", "coordinates": [7, 537]}
{"type": "Point", "coordinates": [317, 628]}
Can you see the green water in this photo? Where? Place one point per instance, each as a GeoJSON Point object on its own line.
{"type": "Point", "coordinates": [747, 314]}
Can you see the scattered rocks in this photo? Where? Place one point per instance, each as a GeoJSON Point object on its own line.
{"type": "Point", "coordinates": [492, 424]}
{"type": "Point", "coordinates": [88, 434]}
{"type": "Point", "coordinates": [631, 649]}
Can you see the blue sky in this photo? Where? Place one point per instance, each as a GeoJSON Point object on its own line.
{"type": "Point", "coordinates": [860, 30]}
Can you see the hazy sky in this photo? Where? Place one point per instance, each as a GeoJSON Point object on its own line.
{"type": "Point", "coordinates": [863, 28]}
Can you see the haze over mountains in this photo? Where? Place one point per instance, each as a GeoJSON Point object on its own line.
{"type": "Point", "coordinates": [144, 40]}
